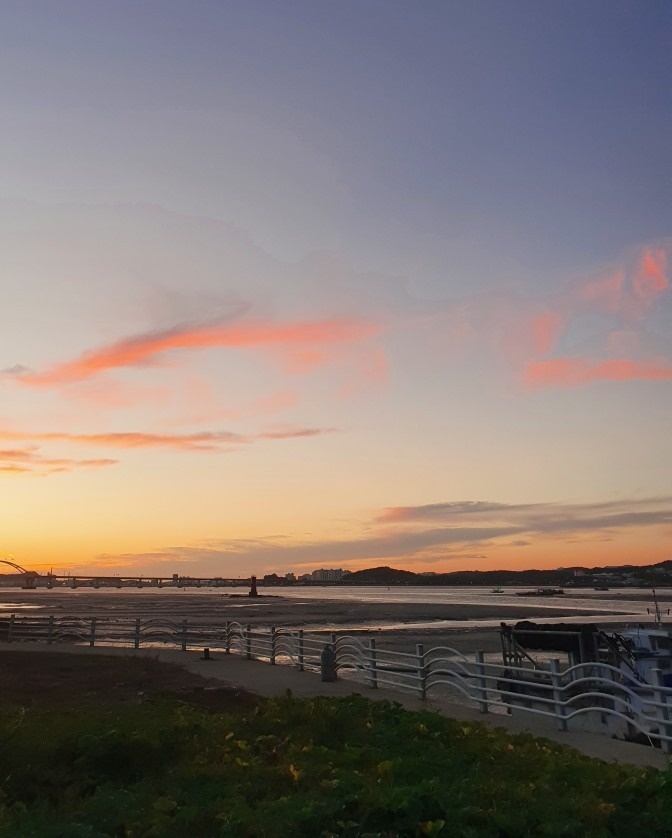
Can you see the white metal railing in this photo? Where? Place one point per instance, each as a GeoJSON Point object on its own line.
{"type": "Point", "coordinates": [589, 693]}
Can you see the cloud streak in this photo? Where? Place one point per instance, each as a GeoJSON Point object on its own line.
{"type": "Point", "coordinates": [599, 328]}
{"type": "Point", "coordinates": [29, 461]}
{"type": "Point", "coordinates": [572, 372]}
{"type": "Point", "coordinates": [201, 441]}
{"type": "Point", "coordinates": [421, 535]}
{"type": "Point", "coordinates": [149, 348]}
{"type": "Point", "coordinates": [537, 517]}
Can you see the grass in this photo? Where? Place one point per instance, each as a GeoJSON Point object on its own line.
{"type": "Point", "coordinates": [285, 767]}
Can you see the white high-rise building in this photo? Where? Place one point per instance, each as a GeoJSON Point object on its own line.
{"type": "Point", "coordinates": [326, 575]}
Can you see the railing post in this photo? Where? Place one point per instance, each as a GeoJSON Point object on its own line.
{"type": "Point", "coordinates": [228, 637]}
{"type": "Point", "coordinates": [663, 713]}
{"type": "Point", "coordinates": [184, 635]}
{"type": "Point", "coordinates": [136, 635]}
{"type": "Point", "coordinates": [559, 708]}
{"type": "Point", "coordinates": [50, 630]}
{"type": "Point", "coordinates": [482, 683]}
{"type": "Point", "coordinates": [92, 633]}
{"type": "Point", "coordinates": [248, 642]}
{"type": "Point", "coordinates": [10, 628]}
{"type": "Point", "coordinates": [422, 671]}
{"type": "Point", "coordinates": [273, 642]}
{"type": "Point", "coordinates": [300, 651]}
{"type": "Point", "coordinates": [373, 665]}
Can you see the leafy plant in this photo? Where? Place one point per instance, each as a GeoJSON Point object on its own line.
{"type": "Point", "coordinates": [318, 767]}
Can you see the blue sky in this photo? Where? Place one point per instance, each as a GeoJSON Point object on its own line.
{"type": "Point", "coordinates": [479, 190]}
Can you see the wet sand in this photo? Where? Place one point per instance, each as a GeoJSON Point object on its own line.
{"type": "Point", "coordinates": [269, 609]}
{"type": "Point", "coordinates": [399, 625]}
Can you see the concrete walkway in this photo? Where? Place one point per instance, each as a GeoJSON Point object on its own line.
{"type": "Point", "coordinates": [264, 679]}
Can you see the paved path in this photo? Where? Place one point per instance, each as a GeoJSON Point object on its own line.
{"type": "Point", "coordinates": [267, 680]}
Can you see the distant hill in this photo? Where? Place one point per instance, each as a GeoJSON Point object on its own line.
{"type": "Point", "coordinates": [381, 576]}
{"type": "Point", "coordinates": [648, 575]}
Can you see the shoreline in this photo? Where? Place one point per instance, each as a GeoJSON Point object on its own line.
{"type": "Point", "coordinates": [466, 626]}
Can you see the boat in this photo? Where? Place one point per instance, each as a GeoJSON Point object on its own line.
{"type": "Point", "coordinates": [612, 681]}
{"type": "Point", "coordinates": [542, 592]}
{"type": "Point", "coordinates": [497, 591]}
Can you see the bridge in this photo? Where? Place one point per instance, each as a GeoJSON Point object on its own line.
{"type": "Point", "coordinates": [31, 579]}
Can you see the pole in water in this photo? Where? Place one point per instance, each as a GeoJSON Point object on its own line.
{"type": "Point", "coordinates": [657, 612]}
{"type": "Point", "coordinates": [253, 586]}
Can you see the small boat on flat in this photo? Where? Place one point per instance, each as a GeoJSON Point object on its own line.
{"type": "Point", "coordinates": [542, 592]}
{"type": "Point", "coordinates": [616, 682]}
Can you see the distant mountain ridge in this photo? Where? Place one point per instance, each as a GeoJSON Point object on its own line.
{"type": "Point", "coordinates": [660, 573]}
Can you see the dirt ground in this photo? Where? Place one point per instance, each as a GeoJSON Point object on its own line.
{"type": "Point", "coordinates": [58, 680]}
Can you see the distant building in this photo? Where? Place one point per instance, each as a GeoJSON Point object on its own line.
{"type": "Point", "coordinates": [326, 575]}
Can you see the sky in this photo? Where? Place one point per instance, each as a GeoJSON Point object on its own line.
{"type": "Point", "coordinates": [290, 285]}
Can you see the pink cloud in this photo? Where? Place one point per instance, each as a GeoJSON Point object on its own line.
{"type": "Point", "coordinates": [526, 333]}
{"type": "Point", "coordinates": [649, 279]}
{"type": "Point", "coordinates": [601, 294]}
{"type": "Point", "coordinates": [626, 294]}
{"type": "Point", "coordinates": [571, 372]}
{"type": "Point", "coordinates": [305, 360]}
{"type": "Point", "coordinates": [147, 349]}
{"type": "Point", "coordinates": [370, 370]}
{"type": "Point", "coordinates": [546, 329]}
{"type": "Point", "coordinates": [109, 393]}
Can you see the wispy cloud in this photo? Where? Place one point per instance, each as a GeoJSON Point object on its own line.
{"type": "Point", "coordinates": [422, 535]}
{"type": "Point", "coordinates": [29, 461]}
{"type": "Point", "coordinates": [201, 441]}
{"type": "Point", "coordinates": [625, 296]}
{"type": "Point", "coordinates": [595, 328]}
{"type": "Point", "coordinates": [151, 347]}
{"type": "Point", "coordinates": [535, 517]}
{"type": "Point", "coordinates": [571, 372]}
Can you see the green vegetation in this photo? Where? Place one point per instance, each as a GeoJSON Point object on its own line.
{"type": "Point", "coordinates": [317, 767]}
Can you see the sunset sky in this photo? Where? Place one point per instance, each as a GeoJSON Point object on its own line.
{"type": "Point", "coordinates": [291, 284]}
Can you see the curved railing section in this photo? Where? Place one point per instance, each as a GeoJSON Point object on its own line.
{"type": "Point", "coordinates": [595, 696]}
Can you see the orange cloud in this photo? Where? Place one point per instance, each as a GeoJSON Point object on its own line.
{"type": "Point", "coordinates": [143, 350]}
{"type": "Point", "coordinates": [29, 461]}
{"type": "Point", "coordinates": [202, 441]}
{"type": "Point", "coordinates": [570, 372]}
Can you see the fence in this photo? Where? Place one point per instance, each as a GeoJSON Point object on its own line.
{"type": "Point", "coordinates": [595, 696]}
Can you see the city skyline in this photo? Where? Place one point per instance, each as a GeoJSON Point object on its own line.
{"type": "Point", "coordinates": [311, 285]}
